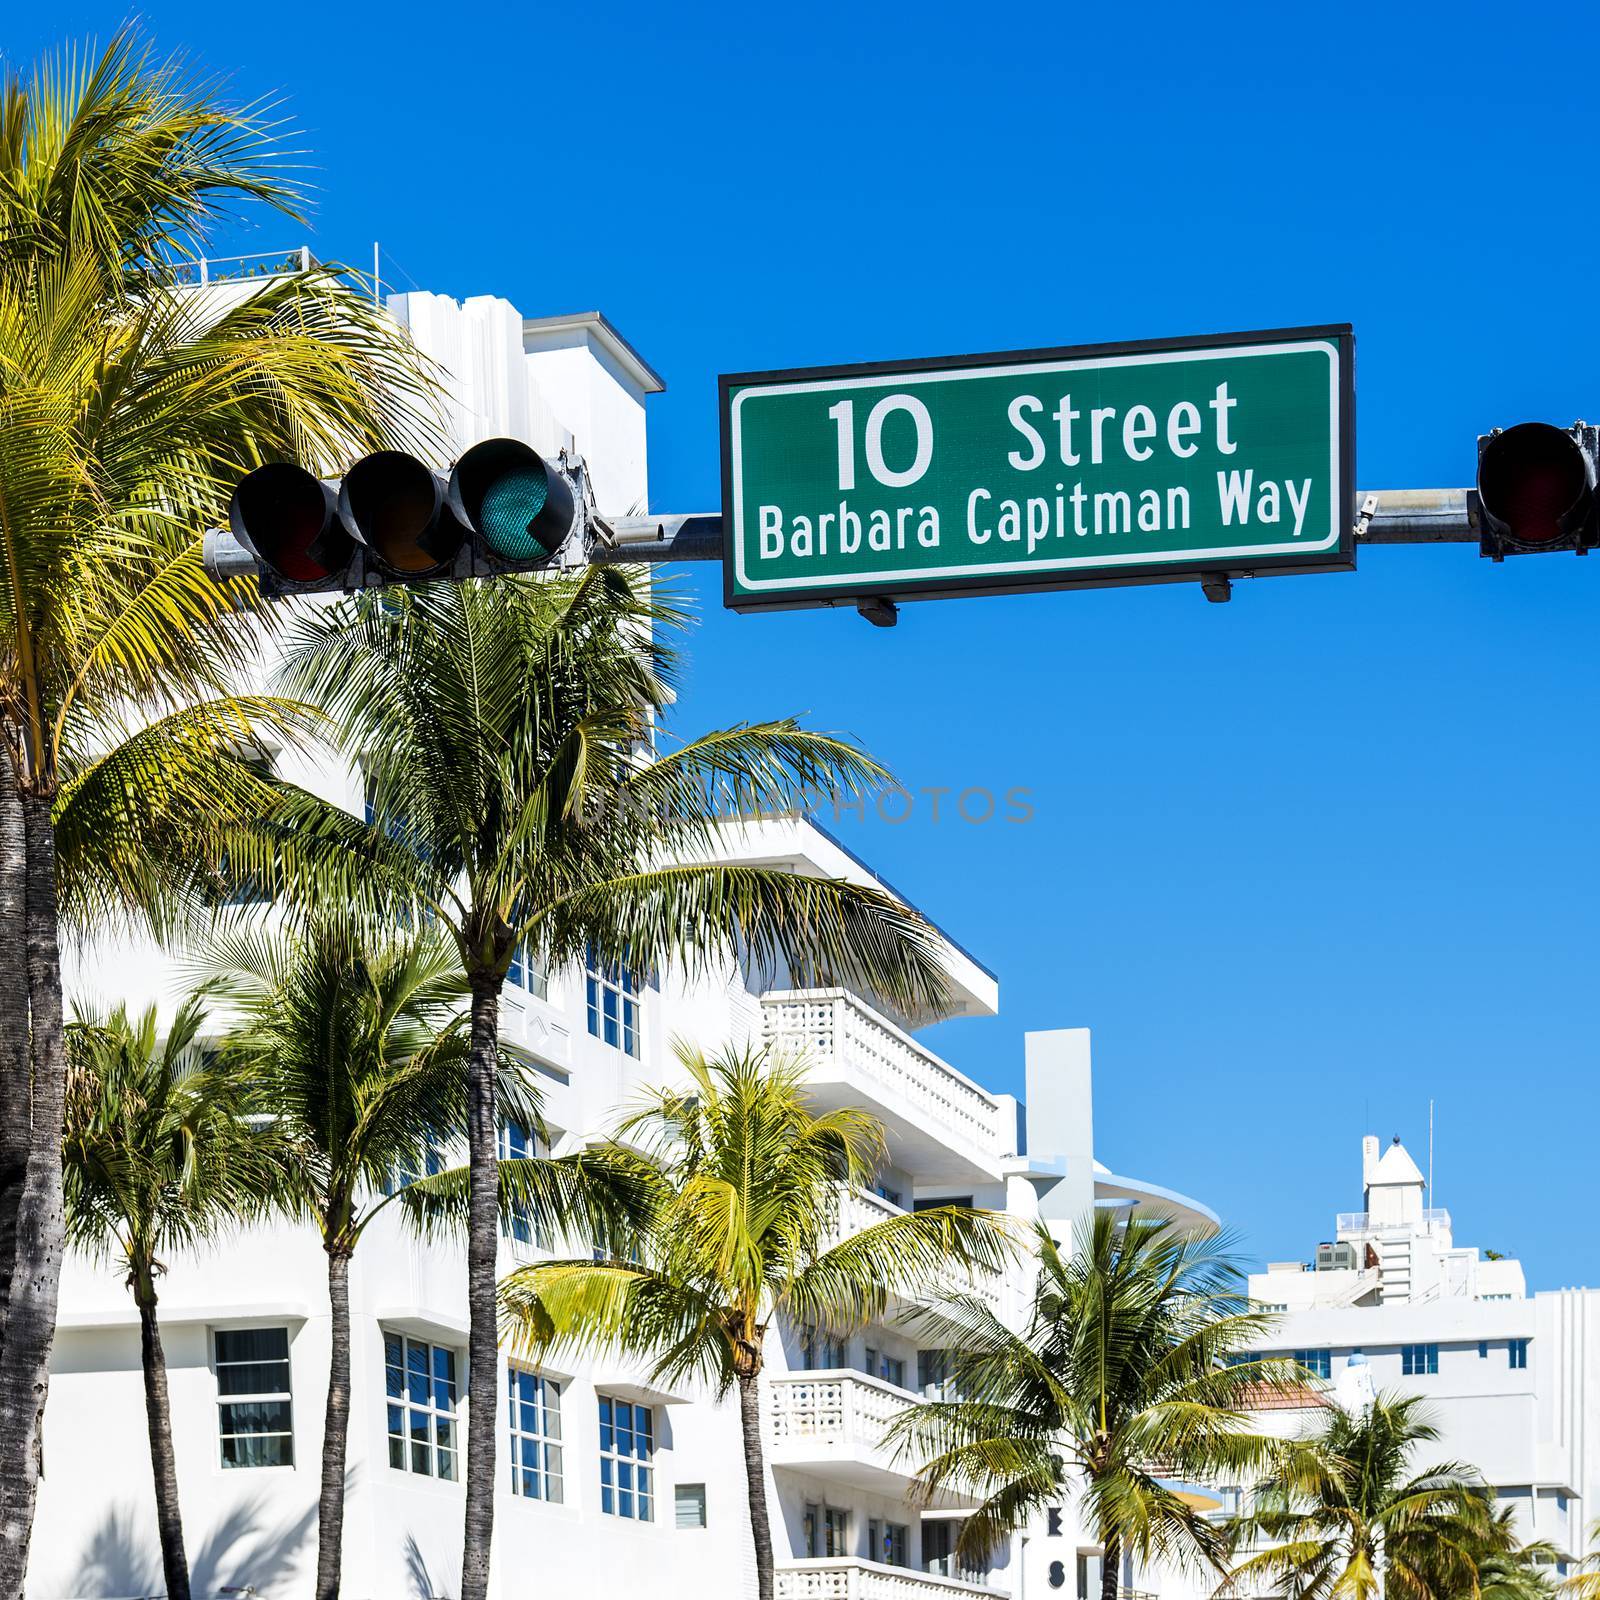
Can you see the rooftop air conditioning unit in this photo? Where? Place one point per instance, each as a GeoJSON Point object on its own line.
{"type": "Point", "coordinates": [1339, 1257]}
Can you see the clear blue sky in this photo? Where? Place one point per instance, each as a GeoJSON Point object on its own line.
{"type": "Point", "coordinates": [1302, 861]}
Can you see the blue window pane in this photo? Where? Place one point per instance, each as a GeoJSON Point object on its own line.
{"type": "Point", "coordinates": [391, 1349]}
{"type": "Point", "coordinates": [417, 1387]}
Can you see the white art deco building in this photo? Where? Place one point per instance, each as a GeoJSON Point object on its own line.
{"type": "Point", "coordinates": [609, 1483]}
{"type": "Point", "coordinates": [1391, 1303]}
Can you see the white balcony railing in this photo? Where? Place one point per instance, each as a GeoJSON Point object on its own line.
{"type": "Point", "coordinates": [843, 1578]}
{"type": "Point", "coordinates": [858, 1209]}
{"type": "Point", "coordinates": [843, 1036]}
{"type": "Point", "coordinates": [834, 1411]}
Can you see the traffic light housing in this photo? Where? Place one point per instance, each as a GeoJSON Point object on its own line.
{"type": "Point", "coordinates": [394, 520]}
{"type": "Point", "coordinates": [1536, 490]}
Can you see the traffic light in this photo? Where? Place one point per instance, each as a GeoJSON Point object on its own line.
{"type": "Point", "coordinates": [1536, 489]}
{"type": "Point", "coordinates": [393, 519]}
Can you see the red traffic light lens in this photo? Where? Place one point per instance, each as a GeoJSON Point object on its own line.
{"type": "Point", "coordinates": [1534, 483]}
{"type": "Point", "coordinates": [286, 516]}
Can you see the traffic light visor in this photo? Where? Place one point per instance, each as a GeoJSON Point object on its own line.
{"type": "Point", "coordinates": [286, 516]}
{"type": "Point", "coordinates": [520, 507]}
{"type": "Point", "coordinates": [395, 506]}
{"type": "Point", "coordinates": [1534, 483]}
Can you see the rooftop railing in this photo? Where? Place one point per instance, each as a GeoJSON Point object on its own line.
{"type": "Point", "coordinates": [1361, 1221]}
{"type": "Point", "coordinates": [230, 269]}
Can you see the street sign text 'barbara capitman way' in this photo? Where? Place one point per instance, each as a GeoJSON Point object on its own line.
{"type": "Point", "coordinates": [1043, 469]}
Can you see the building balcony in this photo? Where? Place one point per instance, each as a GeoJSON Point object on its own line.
{"type": "Point", "coordinates": [844, 1578]}
{"type": "Point", "coordinates": [940, 1125]}
{"type": "Point", "coordinates": [833, 1422]}
{"type": "Point", "coordinates": [857, 1209]}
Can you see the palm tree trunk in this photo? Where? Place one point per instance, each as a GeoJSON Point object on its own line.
{"type": "Point", "coordinates": [16, 1066]}
{"type": "Point", "coordinates": [1110, 1577]}
{"type": "Point", "coordinates": [158, 1421]}
{"type": "Point", "coordinates": [755, 1478]}
{"type": "Point", "coordinates": [41, 1232]}
{"type": "Point", "coordinates": [335, 1427]}
{"type": "Point", "coordinates": [483, 1237]}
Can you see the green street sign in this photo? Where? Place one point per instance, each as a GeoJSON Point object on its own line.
{"type": "Point", "coordinates": [1040, 469]}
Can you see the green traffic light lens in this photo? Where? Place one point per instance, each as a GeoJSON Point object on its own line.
{"type": "Point", "coordinates": [510, 507]}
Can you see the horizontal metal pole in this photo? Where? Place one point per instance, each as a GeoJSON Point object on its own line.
{"type": "Point", "coordinates": [688, 536]}
{"type": "Point", "coordinates": [1418, 516]}
{"type": "Point", "coordinates": [223, 557]}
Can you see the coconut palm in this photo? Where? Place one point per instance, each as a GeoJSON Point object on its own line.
{"type": "Point", "coordinates": [156, 1156]}
{"type": "Point", "coordinates": [1128, 1373]}
{"type": "Point", "coordinates": [350, 1037]}
{"type": "Point", "coordinates": [1584, 1584]}
{"type": "Point", "coordinates": [739, 1233]}
{"type": "Point", "coordinates": [126, 408]}
{"type": "Point", "coordinates": [1344, 1511]}
{"type": "Point", "coordinates": [504, 731]}
{"type": "Point", "coordinates": [1509, 1568]}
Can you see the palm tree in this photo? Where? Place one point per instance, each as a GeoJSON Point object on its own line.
{"type": "Point", "coordinates": [350, 1037]}
{"type": "Point", "coordinates": [1343, 1512]}
{"type": "Point", "coordinates": [1509, 1568]}
{"type": "Point", "coordinates": [504, 732]}
{"type": "Point", "coordinates": [744, 1189]}
{"type": "Point", "coordinates": [156, 1156]}
{"type": "Point", "coordinates": [1127, 1374]}
{"type": "Point", "coordinates": [126, 409]}
{"type": "Point", "coordinates": [1584, 1584]}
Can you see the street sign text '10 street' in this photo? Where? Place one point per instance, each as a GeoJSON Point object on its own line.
{"type": "Point", "coordinates": [1040, 469]}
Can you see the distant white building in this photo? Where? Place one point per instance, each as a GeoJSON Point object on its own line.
{"type": "Point", "coordinates": [1391, 1303]}
{"type": "Point", "coordinates": [609, 1483]}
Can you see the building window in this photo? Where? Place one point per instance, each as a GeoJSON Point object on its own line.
{"type": "Point", "coordinates": [936, 1375]}
{"type": "Point", "coordinates": [517, 1143]}
{"type": "Point", "coordinates": [1483, 1349]}
{"type": "Point", "coordinates": [819, 1352]}
{"type": "Point", "coordinates": [254, 1414]}
{"type": "Point", "coordinates": [939, 1538]}
{"type": "Point", "coordinates": [526, 974]}
{"type": "Point", "coordinates": [407, 1171]}
{"type": "Point", "coordinates": [895, 1197]}
{"type": "Point", "coordinates": [535, 1435]}
{"type": "Point", "coordinates": [827, 1531]}
{"type": "Point", "coordinates": [888, 1542]}
{"type": "Point", "coordinates": [1517, 1353]}
{"type": "Point", "coordinates": [627, 1445]}
{"type": "Point", "coordinates": [1418, 1360]}
{"type": "Point", "coordinates": [689, 1505]}
{"type": "Point", "coordinates": [613, 1004]}
{"type": "Point", "coordinates": [1318, 1362]}
{"type": "Point", "coordinates": [420, 1382]}
{"type": "Point", "coordinates": [929, 1202]}
{"type": "Point", "coordinates": [879, 1364]}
